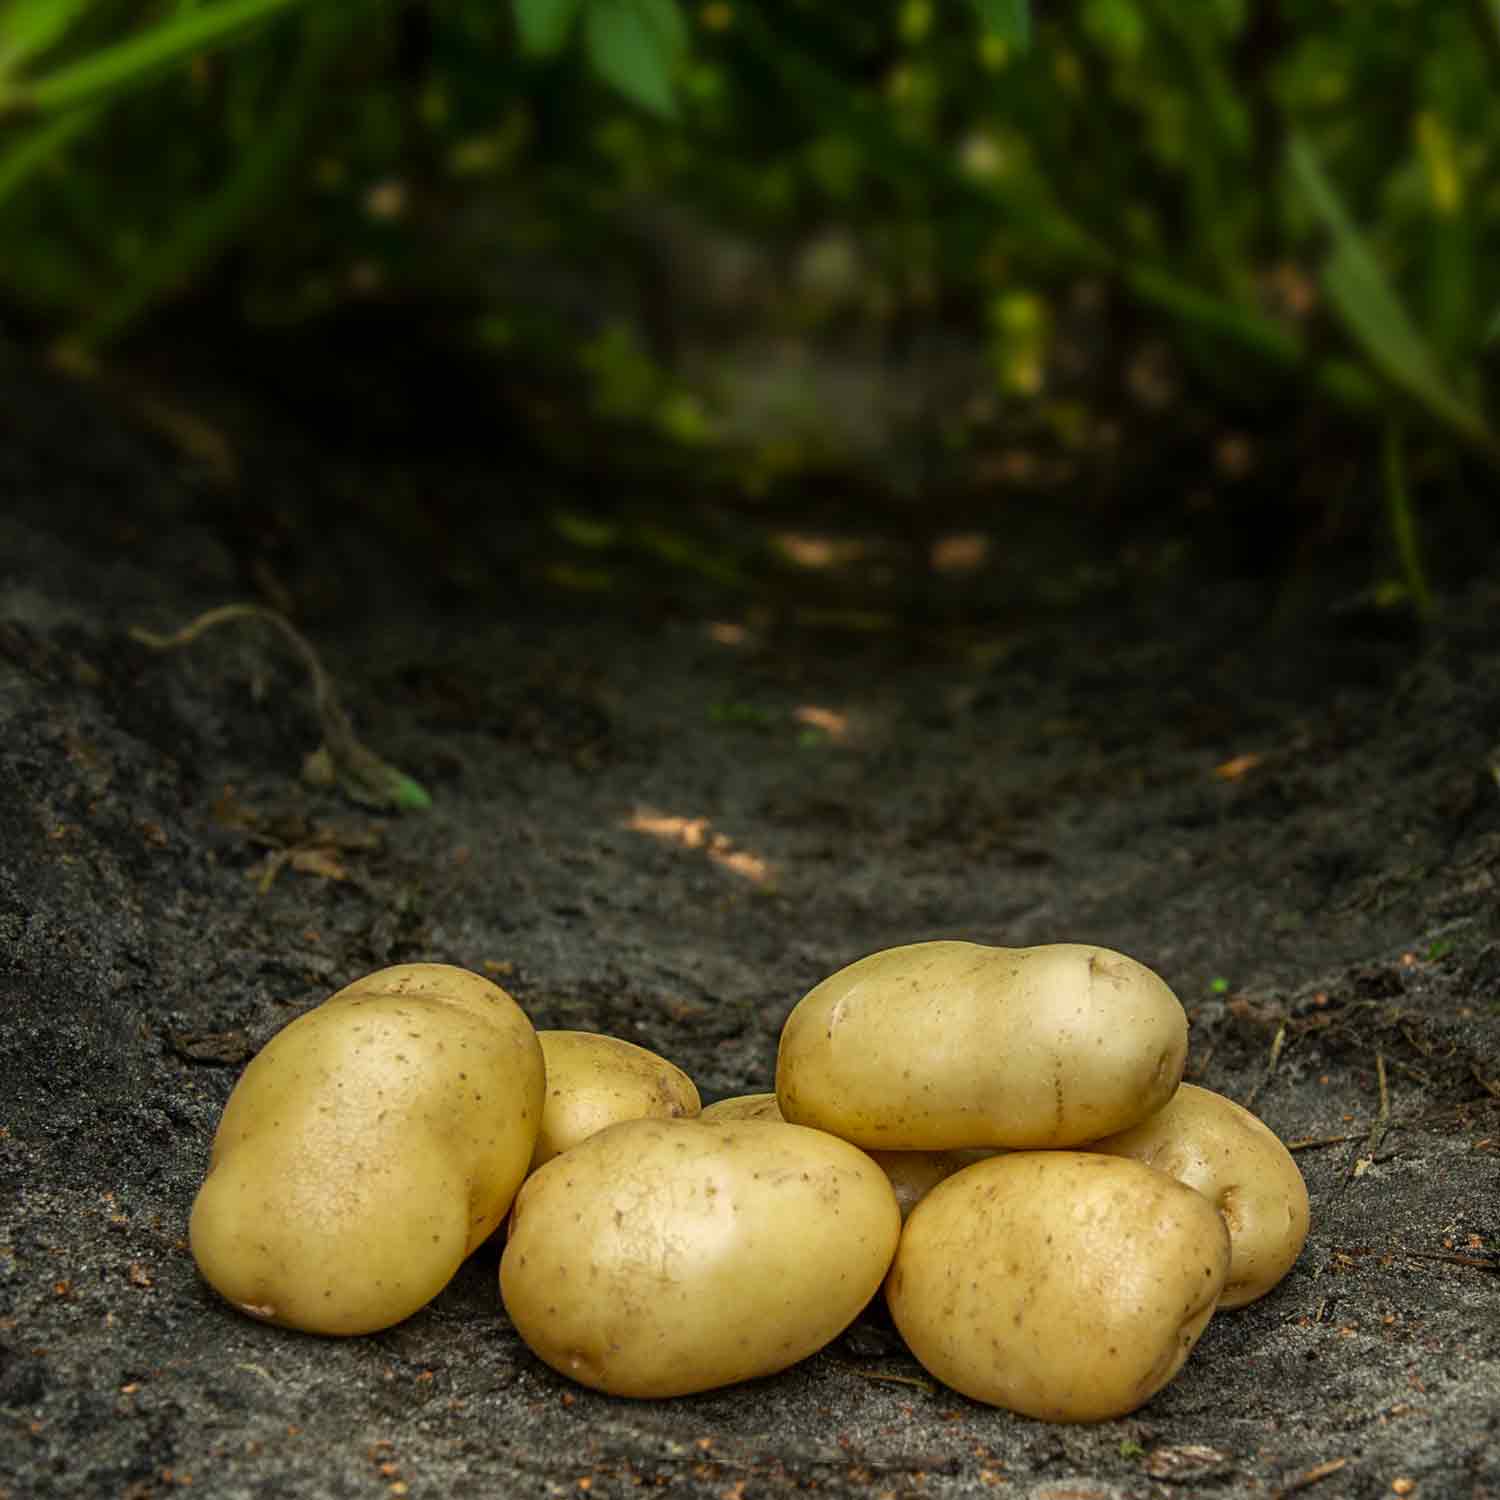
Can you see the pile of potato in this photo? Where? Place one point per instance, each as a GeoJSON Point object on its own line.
{"type": "Point", "coordinates": [999, 1136]}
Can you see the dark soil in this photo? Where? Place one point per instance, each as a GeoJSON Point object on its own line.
{"type": "Point", "coordinates": [666, 811]}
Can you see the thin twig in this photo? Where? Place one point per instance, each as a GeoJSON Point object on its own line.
{"type": "Point", "coordinates": [1455, 1260]}
{"type": "Point", "coordinates": [1491, 1088]}
{"type": "Point", "coordinates": [360, 772]}
{"type": "Point", "coordinates": [1312, 1142]}
{"type": "Point", "coordinates": [1413, 1073]}
{"type": "Point", "coordinates": [890, 1379]}
{"type": "Point", "coordinates": [1365, 1159]}
{"type": "Point", "coordinates": [1311, 1476]}
{"type": "Point", "coordinates": [1277, 1043]}
{"type": "Point", "coordinates": [1383, 1119]}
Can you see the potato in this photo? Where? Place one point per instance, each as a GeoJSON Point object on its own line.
{"type": "Point", "coordinates": [1237, 1162]}
{"type": "Point", "coordinates": [941, 1045]}
{"type": "Point", "coordinates": [911, 1173]}
{"type": "Point", "coordinates": [368, 1148]}
{"type": "Point", "coordinates": [594, 1081]}
{"type": "Point", "coordinates": [1063, 1285]}
{"type": "Point", "coordinates": [914, 1174]}
{"type": "Point", "coordinates": [744, 1107]}
{"type": "Point", "coordinates": [661, 1257]}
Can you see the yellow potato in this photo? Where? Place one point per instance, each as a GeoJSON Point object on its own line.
{"type": "Point", "coordinates": [1237, 1162]}
{"type": "Point", "coordinates": [940, 1045]}
{"type": "Point", "coordinates": [368, 1148]}
{"type": "Point", "coordinates": [911, 1173]}
{"type": "Point", "coordinates": [1062, 1285]}
{"type": "Point", "coordinates": [594, 1081]}
{"type": "Point", "coordinates": [914, 1174]}
{"type": "Point", "coordinates": [662, 1257]}
{"type": "Point", "coordinates": [744, 1107]}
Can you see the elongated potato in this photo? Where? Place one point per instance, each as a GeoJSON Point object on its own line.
{"type": "Point", "coordinates": [661, 1257]}
{"type": "Point", "coordinates": [940, 1045]}
{"type": "Point", "coordinates": [368, 1148]}
{"type": "Point", "coordinates": [1062, 1285]}
{"type": "Point", "coordinates": [1240, 1165]}
{"type": "Point", "coordinates": [595, 1080]}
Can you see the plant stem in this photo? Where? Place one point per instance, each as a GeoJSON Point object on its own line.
{"type": "Point", "coordinates": [359, 771]}
{"type": "Point", "coordinates": [1403, 522]}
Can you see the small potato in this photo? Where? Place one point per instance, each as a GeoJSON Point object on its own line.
{"type": "Point", "coordinates": [368, 1148]}
{"type": "Point", "coordinates": [940, 1045]}
{"type": "Point", "coordinates": [594, 1081]}
{"type": "Point", "coordinates": [662, 1257]}
{"type": "Point", "coordinates": [1062, 1285]}
{"type": "Point", "coordinates": [912, 1173]}
{"type": "Point", "coordinates": [1237, 1162]}
{"type": "Point", "coordinates": [744, 1107]}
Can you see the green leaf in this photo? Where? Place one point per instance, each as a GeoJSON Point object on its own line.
{"type": "Point", "coordinates": [1493, 331]}
{"type": "Point", "coordinates": [632, 45]}
{"type": "Point", "coordinates": [1009, 20]}
{"type": "Point", "coordinates": [1371, 308]}
{"type": "Point", "coordinates": [666, 16]}
{"type": "Point", "coordinates": [544, 24]}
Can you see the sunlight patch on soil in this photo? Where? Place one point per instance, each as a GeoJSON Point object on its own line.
{"type": "Point", "coordinates": [812, 550]}
{"type": "Point", "coordinates": [828, 720]}
{"type": "Point", "coordinates": [698, 833]}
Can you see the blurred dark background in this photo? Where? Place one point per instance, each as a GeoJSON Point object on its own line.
{"type": "Point", "coordinates": [907, 312]}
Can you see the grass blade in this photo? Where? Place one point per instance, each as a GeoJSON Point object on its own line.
{"type": "Point", "coordinates": [32, 26]}
{"type": "Point", "coordinates": [1372, 311]}
{"type": "Point", "coordinates": [207, 226]}
{"type": "Point", "coordinates": [1403, 523]}
{"type": "Point", "coordinates": [139, 59]}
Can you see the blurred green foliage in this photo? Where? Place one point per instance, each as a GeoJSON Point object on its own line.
{"type": "Point", "coordinates": [1302, 193]}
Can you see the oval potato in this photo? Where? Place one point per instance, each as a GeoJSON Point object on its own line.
{"type": "Point", "coordinates": [595, 1080]}
{"type": "Point", "coordinates": [1062, 1285]}
{"type": "Point", "coordinates": [368, 1148]}
{"type": "Point", "coordinates": [940, 1045]}
{"type": "Point", "coordinates": [661, 1257]}
{"type": "Point", "coordinates": [911, 1173]}
{"type": "Point", "coordinates": [1240, 1165]}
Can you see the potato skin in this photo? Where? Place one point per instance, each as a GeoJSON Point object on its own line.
{"type": "Point", "coordinates": [595, 1080]}
{"type": "Point", "coordinates": [1239, 1164]}
{"type": "Point", "coordinates": [368, 1148]}
{"type": "Point", "coordinates": [940, 1045]}
{"type": "Point", "coordinates": [912, 1173]}
{"type": "Point", "coordinates": [744, 1107]}
{"type": "Point", "coordinates": [1061, 1285]}
{"type": "Point", "coordinates": [662, 1257]}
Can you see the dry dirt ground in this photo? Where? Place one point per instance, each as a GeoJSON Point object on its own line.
{"type": "Point", "coordinates": [667, 818]}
